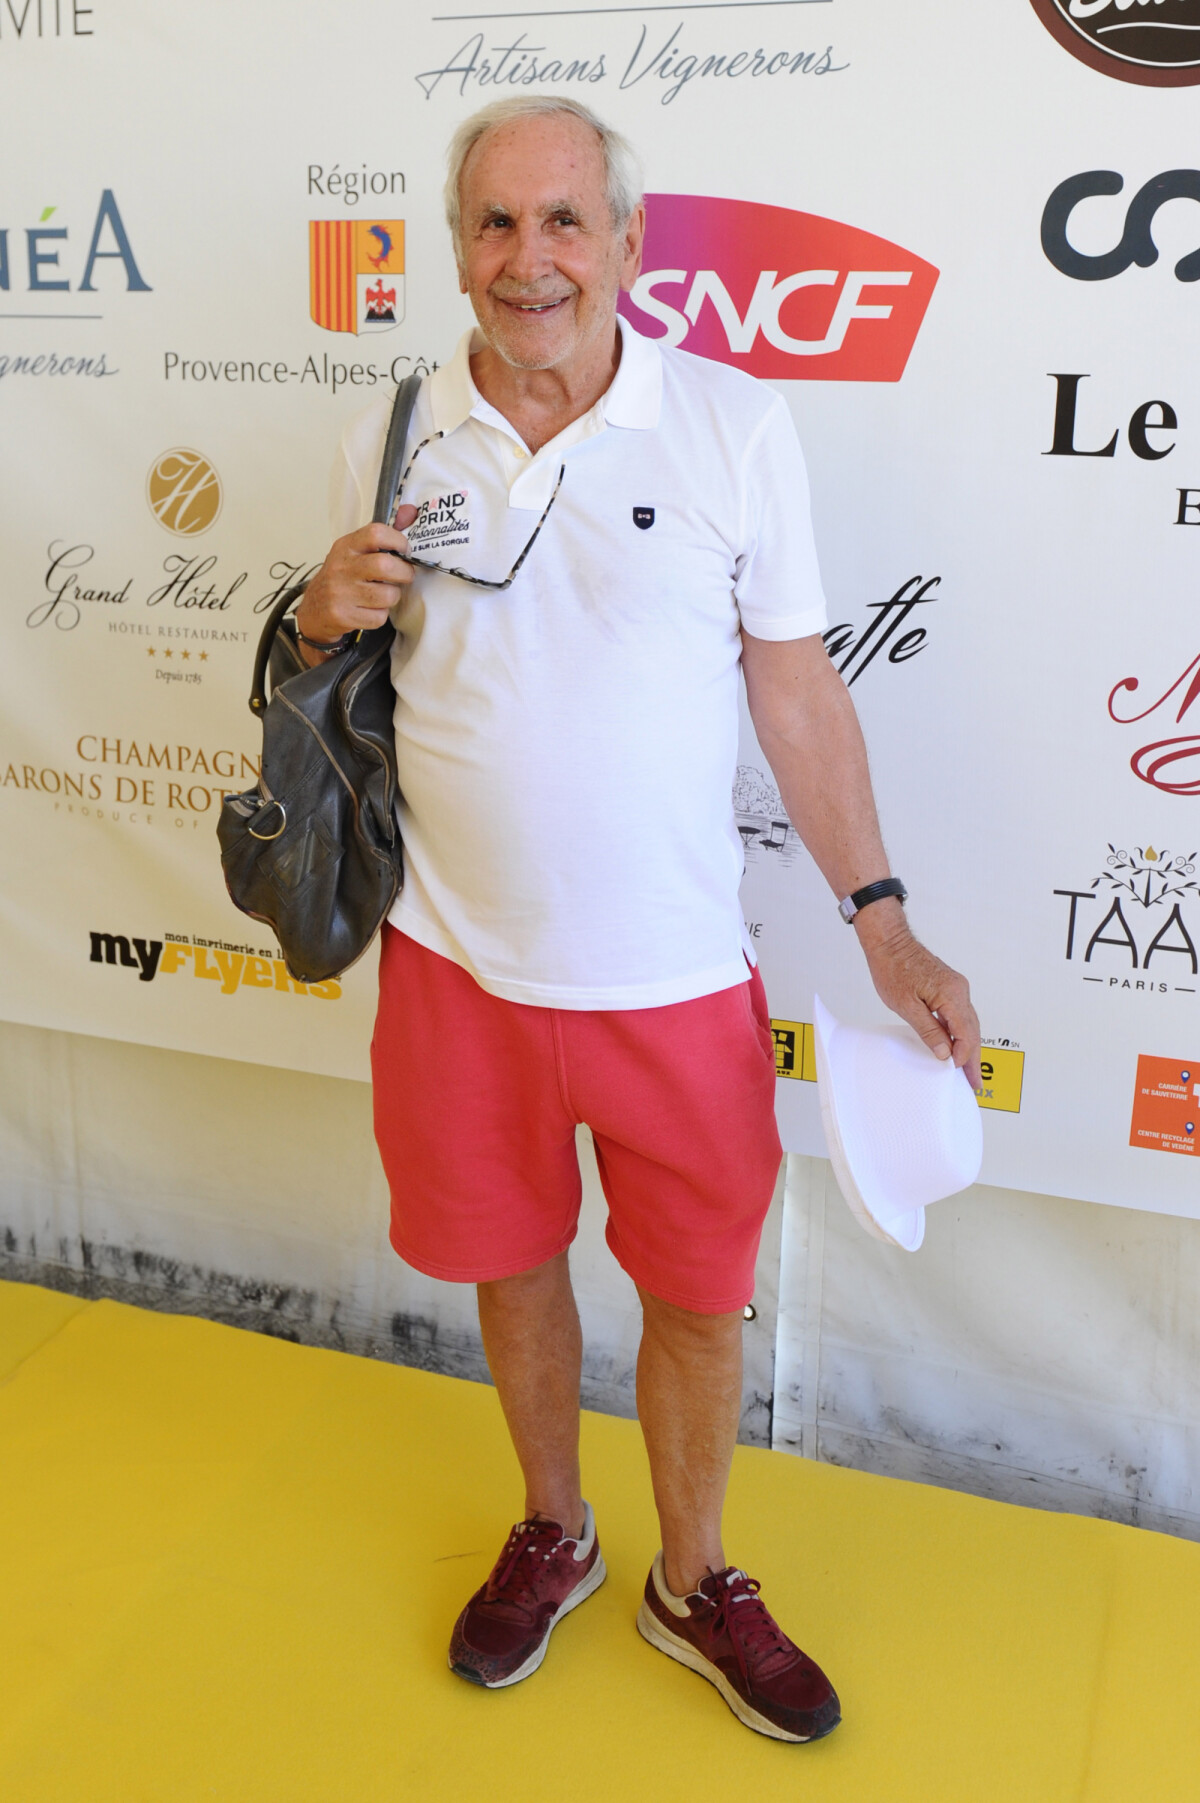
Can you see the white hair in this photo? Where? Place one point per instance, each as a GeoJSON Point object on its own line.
{"type": "Point", "coordinates": [622, 170]}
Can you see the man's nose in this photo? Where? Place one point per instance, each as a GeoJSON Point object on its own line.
{"type": "Point", "coordinates": [527, 258]}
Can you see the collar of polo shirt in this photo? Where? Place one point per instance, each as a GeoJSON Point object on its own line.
{"type": "Point", "coordinates": [632, 400]}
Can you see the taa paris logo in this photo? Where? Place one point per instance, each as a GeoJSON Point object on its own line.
{"type": "Point", "coordinates": [1136, 243]}
{"type": "Point", "coordinates": [184, 492]}
{"type": "Point", "coordinates": [777, 293]}
{"type": "Point", "coordinates": [356, 274]}
{"type": "Point", "coordinates": [643, 518]}
{"type": "Point", "coordinates": [1153, 42]}
{"type": "Point", "coordinates": [1145, 940]}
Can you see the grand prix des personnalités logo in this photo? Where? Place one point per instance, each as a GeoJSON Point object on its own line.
{"type": "Point", "coordinates": [356, 274]}
{"type": "Point", "coordinates": [781, 294]}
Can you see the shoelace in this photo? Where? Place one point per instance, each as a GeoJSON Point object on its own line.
{"type": "Point", "coordinates": [757, 1638]}
{"type": "Point", "coordinates": [508, 1582]}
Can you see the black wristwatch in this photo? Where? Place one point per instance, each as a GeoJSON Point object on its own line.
{"type": "Point", "coordinates": [862, 898]}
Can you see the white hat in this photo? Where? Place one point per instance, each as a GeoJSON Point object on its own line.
{"type": "Point", "coordinates": [902, 1126]}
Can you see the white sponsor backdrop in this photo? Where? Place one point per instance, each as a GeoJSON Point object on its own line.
{"type": "Point", "coordinates": [191, 149]}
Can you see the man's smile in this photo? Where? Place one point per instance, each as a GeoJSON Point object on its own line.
{"type": "Point", "coordinates": [540, 306]}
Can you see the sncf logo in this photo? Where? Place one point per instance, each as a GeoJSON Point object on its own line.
{"type": "Point", "coordinates": [777, 293]}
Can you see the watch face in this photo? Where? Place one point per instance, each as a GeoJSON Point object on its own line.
{"type": "Point", "coordinates": [1156, 46]}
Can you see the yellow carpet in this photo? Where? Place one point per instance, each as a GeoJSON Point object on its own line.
{"type": "Point", "coordinates": [231, 1564]}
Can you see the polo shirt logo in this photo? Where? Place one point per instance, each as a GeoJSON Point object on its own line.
{"type": "Point", "coordinates": [442, 520]}
{"type": "Point", "coordinates": [643, 518]}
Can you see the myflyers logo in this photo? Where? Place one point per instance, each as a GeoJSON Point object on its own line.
{"type": "Point", "coordinates": [233, 967]}
{"type": "Point", "coordinates": [777, 293]}
{"type": "Point", "coordinates": [356, 274]}
{"type": "Point", "coordinates": [1153, 42]}
{"type": "Point", "coordinates": [184, 492]}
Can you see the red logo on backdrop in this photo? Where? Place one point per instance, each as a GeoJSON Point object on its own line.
{"type": "Point", "coordinates": [1171, 764]}
{"type": "Point", "coordinates": [777, 293]}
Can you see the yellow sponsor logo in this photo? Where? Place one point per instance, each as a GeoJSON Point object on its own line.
{"type": "Point", "coordinates": [1002, 1067]}
{"type": "Point", "coordinates": [240, 970]}
{"type": "Point", "coordinates": [1003, 1072]}
{"type": "Point", "coordinates": [795, 1050]}
{"type": "Point", "coordinates": [184, 492]}
{"type": "Point", "coordinates": [230, 966]}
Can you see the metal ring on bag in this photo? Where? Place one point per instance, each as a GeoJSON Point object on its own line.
{"type": "Point", "coordinates": [265, 837]}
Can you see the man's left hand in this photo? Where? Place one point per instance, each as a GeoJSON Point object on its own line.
{"type": "Point", "coordinates": [932, 998]}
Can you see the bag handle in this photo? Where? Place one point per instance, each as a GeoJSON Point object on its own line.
{"type": "Point", "coordinates": [385, 502]}
{"type": "Point", "coordinates": [393, 450]}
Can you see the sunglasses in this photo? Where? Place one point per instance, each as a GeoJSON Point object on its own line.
{"type": "Point", "coordinates": [442, 569]}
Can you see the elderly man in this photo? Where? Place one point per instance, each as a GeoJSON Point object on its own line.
{"type": "Point", "coordinates": [568, 946]}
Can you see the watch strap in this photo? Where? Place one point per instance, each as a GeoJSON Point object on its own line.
{"type": "Point", "coordinates": [851, 905]}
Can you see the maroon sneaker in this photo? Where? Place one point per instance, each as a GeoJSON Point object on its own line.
{"type": "Point", "coordinates": [727, 1634]}
{"type": "Point", "coordinates": [502, 1634]}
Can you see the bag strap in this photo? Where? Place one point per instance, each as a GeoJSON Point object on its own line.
{"type": "Point", "coordinates": [393, 450]}
{"type": "Point", "coordinates": [385, 502]}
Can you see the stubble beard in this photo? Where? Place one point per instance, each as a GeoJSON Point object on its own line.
{"type": "Point", "coordinates": [504, 336]}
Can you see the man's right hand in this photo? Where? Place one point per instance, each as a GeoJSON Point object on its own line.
{"type": "Point", "coordinates": [359, 583]}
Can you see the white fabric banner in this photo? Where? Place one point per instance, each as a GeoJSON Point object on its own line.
{"type": "Point", "coordinates": [221, 233]}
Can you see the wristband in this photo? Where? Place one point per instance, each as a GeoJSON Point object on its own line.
{"type": "Point", "coordinates": [332, 646]}
{"type": "Point", "coordinates": [862, 898]}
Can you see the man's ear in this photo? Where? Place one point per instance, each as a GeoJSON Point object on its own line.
{"type": "Point", "coordinates": [635, 237]}
{"type": "Point", "coordinates": [462, 277]}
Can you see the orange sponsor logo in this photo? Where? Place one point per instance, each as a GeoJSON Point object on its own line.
{"type": "Point", "coordinates": [1166, 1106]}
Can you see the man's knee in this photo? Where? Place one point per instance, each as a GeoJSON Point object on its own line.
{"type": "Point", "coordinates": [688, 1326]}
{"type": "Point", "coordinates": [524, 1287]}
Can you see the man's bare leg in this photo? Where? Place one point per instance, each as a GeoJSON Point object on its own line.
{"type": "Point", "coordinates": [689, 1391]}
{"type": "Point", "coordinates": [689, 1388]}
{"type": "Point", "coordinates": [689, 1394]}
{"type": "Point", "coordinates": [534, 1351]}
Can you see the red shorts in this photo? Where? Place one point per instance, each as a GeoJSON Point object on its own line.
{"type": "Point", "coordinates": [476, 1104]}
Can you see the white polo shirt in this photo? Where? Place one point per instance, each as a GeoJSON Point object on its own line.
{"type": "Point", "coordinates": [567, 747]}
